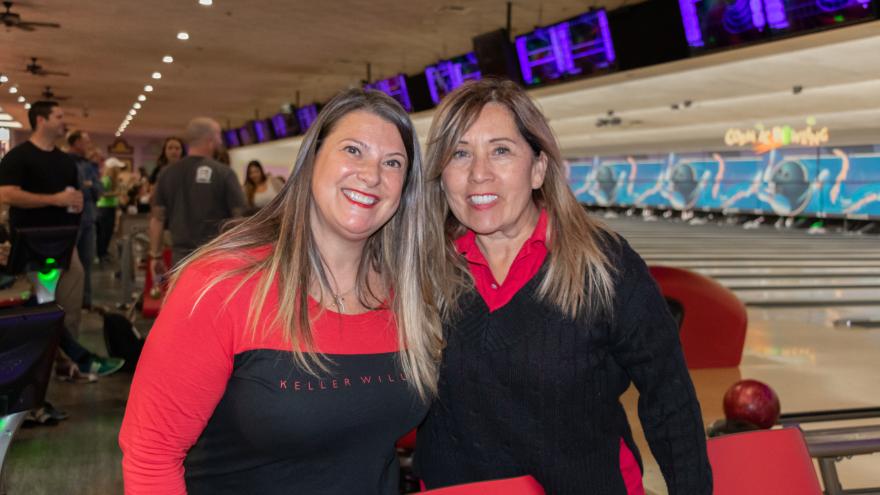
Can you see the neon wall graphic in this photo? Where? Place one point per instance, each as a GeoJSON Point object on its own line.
{"type": "Point", "coordinates": [827, 181]}
{"type": "Point", "coordinates": [581, 45]}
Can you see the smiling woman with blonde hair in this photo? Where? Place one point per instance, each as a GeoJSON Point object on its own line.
{"type": "Point", "coordinates": [548, 318]}
{"type": "Point", "coordinates": [294, 349]}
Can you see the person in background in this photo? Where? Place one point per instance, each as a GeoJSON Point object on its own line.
{"type": "Point", "coordinates": [80, 144]}
{"type": "Point", "coordinates": [107, 204]}
{"type": "Point", "coordinates": [194, 197]}
{"type": "Point", "coordinates": [259, 188]}
{"type": "Point", "coordinates": [40, 183]}
{"type": "Point", "coordinates": [305, 337]}
{"type": "Point", "coordinates": [172, 151]}
{"type": "Point", "coordinates": [549, 316]}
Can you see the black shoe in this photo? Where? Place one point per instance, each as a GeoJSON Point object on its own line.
{"type": "Point", "coordinates": [56, 414]}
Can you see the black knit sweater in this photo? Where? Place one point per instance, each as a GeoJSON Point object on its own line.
{"type": "Point", "coordinates": [527, 390]}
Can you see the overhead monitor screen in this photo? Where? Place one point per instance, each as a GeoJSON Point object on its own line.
{"type": "Point", "coordinates": [579, 46]}
{"type": "Point", "coordinates": [446, 75]}
{"type": "Point", "coordinates": [394, 87]}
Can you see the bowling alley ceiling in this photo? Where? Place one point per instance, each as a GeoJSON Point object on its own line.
{"type": "Point", "coordinates": [242, 56]}
{"type": "Point", "coordinates": [247, 58]}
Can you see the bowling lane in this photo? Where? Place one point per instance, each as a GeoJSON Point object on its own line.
{"type": "Point", "coordinates": [796, 286]}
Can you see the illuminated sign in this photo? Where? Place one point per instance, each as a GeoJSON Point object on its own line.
{"type": "Point", "coordinates": [763, 139]}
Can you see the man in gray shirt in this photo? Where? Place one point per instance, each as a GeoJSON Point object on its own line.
{"type": "Point", "coordinates": [194, 196]}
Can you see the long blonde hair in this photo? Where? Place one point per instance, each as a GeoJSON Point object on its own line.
{"type": "Point", "coordinates": [578, 278]}
{"type": "Point", "coordinates": [396, 252]}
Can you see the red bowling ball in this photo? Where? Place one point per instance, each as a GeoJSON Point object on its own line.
{"type": "Point", "coordinates": [753, 402]}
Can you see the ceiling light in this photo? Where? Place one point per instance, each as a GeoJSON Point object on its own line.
{"type": "Point", "coordinates": [148, 88]}
{"type": "Point", "coordinates": [142, 98]}
{"type": "Point", "coordinates": [118, 134]}
{"type": "Point", "coordinates": [22, 99]}
{"type": "Point", "coordinates": [132, 112]}
{"type": "Point", "coordinates": [168, 59]}
{"type": "Point", "coordinates": [137, 106]}
{"type": "Point", "coordinates": [13, 89]}
{"type": "Point", "coordinates": [157, 75]}
{"type": "Point", "coordinates": [5, 116]}
{"type": "Point", "coordinates": [183, 36]}
{"type": "Point", "coordinates": [27, 106]}
{"type": "Point", "coordinates": [11, 125]}
{"type": "Point", "coordinates": [206, 3]}
{"type": "Point", "coordinates": [3, 78]}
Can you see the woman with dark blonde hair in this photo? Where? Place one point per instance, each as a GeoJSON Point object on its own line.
{"type": "Point", "coordinates": [548, 318]}
{"type": "Point", "coordinates": [294, 349]}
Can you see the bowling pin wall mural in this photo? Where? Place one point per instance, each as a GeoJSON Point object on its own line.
{"type": "Point", "coordinates": [785, 182]}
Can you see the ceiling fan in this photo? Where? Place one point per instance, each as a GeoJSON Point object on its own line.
{"type": "Point", "coordinates": [50, 95]}
{"type": "Point", "coordinates": [13, 20]}
{"type": "Point", "coordinates": [38, 70]}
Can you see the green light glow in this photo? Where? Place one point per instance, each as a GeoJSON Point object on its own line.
{"type": "Point", "coordinates": [48, 277]}
{"type": "Point", "coordinates": [50, 261]}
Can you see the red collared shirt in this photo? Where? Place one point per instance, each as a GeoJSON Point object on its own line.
{"type": "Point", "coordinates": [525, 266]}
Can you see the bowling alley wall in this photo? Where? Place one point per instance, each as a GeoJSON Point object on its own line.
{"type": "Point", "coordinates": [820, 182]}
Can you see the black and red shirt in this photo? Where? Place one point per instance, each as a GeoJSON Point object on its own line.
{"type": "Point", "coordinates": [216, 410]}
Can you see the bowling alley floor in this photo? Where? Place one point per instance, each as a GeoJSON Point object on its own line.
{"type": "Point", "coordinates": [795, 286]}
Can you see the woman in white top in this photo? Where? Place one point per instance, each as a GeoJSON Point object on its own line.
{"type": "Point", "coordinates": [259, 188]}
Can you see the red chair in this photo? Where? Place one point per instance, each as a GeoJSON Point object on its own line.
{"type": "Point", "coordinates": [713, 320]}
{"type": "Point", "coordinates": [524, 485]}
{"type": "Point", "coordinates": [764, 462]}
{"type": "Point", "coordinates": [408, 441]}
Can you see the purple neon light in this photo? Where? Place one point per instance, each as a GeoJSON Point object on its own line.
{"type": "Point", "coordinates": [757, 9]}
{"type": "Point", "coordinates": [606, 37]}
{"type": "Point", "coordinates": [394, 87]}
{"type": "Point", "coordinates": [232, 140]}
{"type": "Point", "coordinates": [261, 131]}
{"type": "Point", "coordinates": [449, 74]}
{"type": "Point", "coordinates": [562, 53]}
{"type": "Point", "coordinates": [523, 53]}
{"type": "Point", "coordinates": [691, 22]}
{"type": "Point", "coordinates": [279, 125]}
{"type": "Point", "coordinates": [776, 17]}
{"type": "Point", "coordinates": [306, 116]}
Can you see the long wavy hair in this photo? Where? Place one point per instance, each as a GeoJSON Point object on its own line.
{"type": "Point", "coordinates": [578, 279]}
{"type": "Point", "coordinates": [250, 187]}
{"type": "Point", "coordinates": [396, 252]}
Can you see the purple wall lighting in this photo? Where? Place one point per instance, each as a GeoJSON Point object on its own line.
{"type": "Point", "coordinates": [394, 87]}
{"type": "Point", "coordinates": [306, 116]}
{"type": "Point", "coordinates": [446, 75]}
{"type": "Point", "coordinates": [581, 45]}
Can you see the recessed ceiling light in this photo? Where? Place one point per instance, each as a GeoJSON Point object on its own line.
{"type": "Point", "coordinates": [118, 134]}
{"type": "Point", "coordinates": [27, 106]}
{"type": "Point", "coordinates": [148, 88]}
{"type": "Point", "coordinates": [137, 106]}
{"type": "Point", "coordinates": [13, 89]}
{"type": "Point", "coordinates": [22, 99]}
{"type": "Point", "coordinates": [142, 98]}
{"type": "Point", "coordinates": [183, 36]}
{"type": "Point", "coordinates": [3, 78]}
{"type": "Point", "coordinates": [168, 59]}
{"type": "Point", "coordinates": [132, 112]}
{"type": "Point", "coordinates": [157, 75]}
{"type": "Point", "coordinates": [206, 3]}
